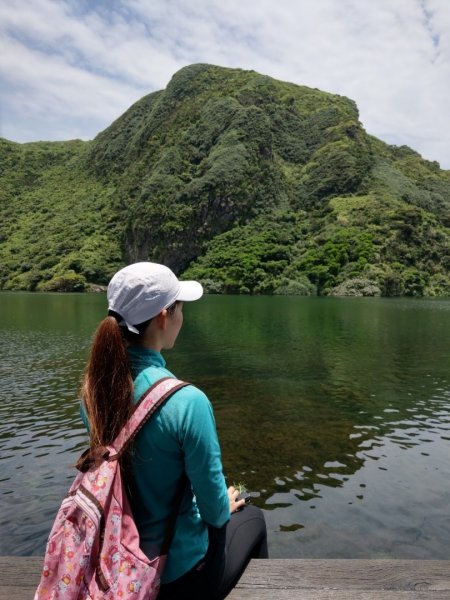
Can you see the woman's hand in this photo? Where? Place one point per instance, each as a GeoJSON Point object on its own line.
{"type": "Point", "coordinates": [235, 504]}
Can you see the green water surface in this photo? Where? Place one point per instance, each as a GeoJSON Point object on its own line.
{"type": "Point", "coordinates": [335, 413]}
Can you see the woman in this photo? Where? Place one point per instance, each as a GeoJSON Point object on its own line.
{"type": "Point", "coordinates": [215, 535]}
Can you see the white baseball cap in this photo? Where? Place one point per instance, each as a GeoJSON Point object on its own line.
{"type": "Point", "coordinates": [142, 290]}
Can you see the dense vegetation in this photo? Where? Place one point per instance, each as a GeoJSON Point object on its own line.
{"type": "Point", "coordinates": [249, 184]}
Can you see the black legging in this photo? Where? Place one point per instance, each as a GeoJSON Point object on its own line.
{"type": "Point", "coordinates": [230, 549]}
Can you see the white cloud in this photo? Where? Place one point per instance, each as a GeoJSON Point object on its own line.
{"type": "Point", "coordinates": [85, 67]}
{"type": "Point", "coordinates": [47, 84]}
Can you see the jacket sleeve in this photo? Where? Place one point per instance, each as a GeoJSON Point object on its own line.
{"type": "Point", "coordinates": [203, 457]}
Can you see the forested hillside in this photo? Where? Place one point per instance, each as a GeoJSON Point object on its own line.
{"type": "Point", "coordinates": [249, 184]}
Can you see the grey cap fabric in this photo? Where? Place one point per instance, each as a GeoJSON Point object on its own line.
{"type": "Point", "coordinates": [142, 290]}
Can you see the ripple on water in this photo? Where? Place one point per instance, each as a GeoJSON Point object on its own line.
{"type": "Point", "coordinates": [38, 392]}
{"type": "Point", "coordinates": [340, 428]}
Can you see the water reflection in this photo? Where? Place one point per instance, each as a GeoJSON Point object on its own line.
{"type": "Point", "coordinates": [42, 352]}
{"type": "Point", "coordinates": [334, 413]}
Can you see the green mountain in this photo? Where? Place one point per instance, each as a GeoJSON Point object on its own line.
{"type": "Point", "coordinates": [249, 184]}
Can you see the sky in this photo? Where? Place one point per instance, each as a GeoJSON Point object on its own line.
{"type": "Point", "coordinates": [68, 68]}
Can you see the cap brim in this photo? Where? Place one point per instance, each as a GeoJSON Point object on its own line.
{"type": "Point", "coordinates": [189, 291]}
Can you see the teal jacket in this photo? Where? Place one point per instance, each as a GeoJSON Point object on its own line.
{"type": "Point", "coordinates": [180, 436]}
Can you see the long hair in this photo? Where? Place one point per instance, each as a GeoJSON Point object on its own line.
{"type": "Point", "coordinates": [107, 387]}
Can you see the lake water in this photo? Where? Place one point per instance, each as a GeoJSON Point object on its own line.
{"type": "Point", "coordinates": [335, 413]}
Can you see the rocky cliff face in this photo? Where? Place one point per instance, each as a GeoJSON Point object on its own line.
{"type": "Point", "coordinates": [251, 184]}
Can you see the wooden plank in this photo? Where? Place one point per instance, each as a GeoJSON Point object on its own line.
{"type": "Point", "coordinates": [348, 574]}
{"type": "Point", "coordinates": [296, 594]}
{"type": "Point", "coordinates": [289, 579]}
{"type": "Point", "coordinates": [20, 572]}
{"type": "Point", "coordinates": [19, 576]}
{"type": "Point", "coordinates": [16, 593]}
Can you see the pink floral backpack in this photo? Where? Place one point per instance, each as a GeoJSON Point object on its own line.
{"type": "Point", "coordinates": [93, 549]}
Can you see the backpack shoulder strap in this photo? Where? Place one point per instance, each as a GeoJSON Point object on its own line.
{"type": "Point", "coordinates": [151, 400]}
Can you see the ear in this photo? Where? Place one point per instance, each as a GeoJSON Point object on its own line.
{"type": "Point", "coordinates": [161, 319]}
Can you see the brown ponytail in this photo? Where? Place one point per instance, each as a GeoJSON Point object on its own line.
{"type": "Point", "coordinates": [107, 388]}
